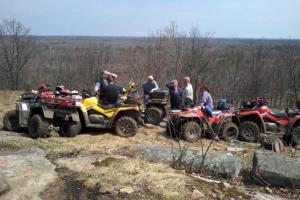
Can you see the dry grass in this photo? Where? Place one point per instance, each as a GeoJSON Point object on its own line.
{"type": "Point", "coordinates": [158, 179]}
{"type": "Point", "coordinates": [7, 102]}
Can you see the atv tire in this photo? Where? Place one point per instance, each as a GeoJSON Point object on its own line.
{"type": "Point", "coordinates": [296, 136]}
{"type": "Point", "coordinates": [230, 131]}
{"type": "Point", "coordinates": [192, 131]}
{"type": "Point", "coordinates": [70, 129]}
{"type": "Point", "coordinates": [126, 126]}
{"type": "Point", "coordinates": [38, 127]}
{"type": "Point", "coordinates": [11, 121]}
{"type": "Point", "coordinates": [153, 115]}
{"type": "Point", "coordinates": [249, 131]}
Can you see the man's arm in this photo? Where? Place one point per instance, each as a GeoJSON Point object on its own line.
{"type": "Point", "coordinates": [155, 86]}
{"type": "Point", "coordinates": [112, 74]}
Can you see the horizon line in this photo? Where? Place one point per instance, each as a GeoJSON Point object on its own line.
{"type": "Point", "coordinates": [124, 36]}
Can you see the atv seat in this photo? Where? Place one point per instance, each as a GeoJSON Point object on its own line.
{"type": "Point", "coordinates": [110, 106]}
{"type": "Point", "coordinates": [279, 114]}
{"type": "Point", "coordinates": [216, 112]}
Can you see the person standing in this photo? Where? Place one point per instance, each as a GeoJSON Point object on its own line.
{"type": "Point", "coordinates": [175, 95]}
{"type": "Point", "coordinates": [149, 87]}
{"type": "Point", "coordinates": [187, 92]}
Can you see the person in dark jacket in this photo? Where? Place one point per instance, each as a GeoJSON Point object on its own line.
{"type": "Point", "coordinates": [175, 95]}
{"type": "Point", "coordinates": [100, 84]}
{"type": "Point", "coordinates": [110, 93]}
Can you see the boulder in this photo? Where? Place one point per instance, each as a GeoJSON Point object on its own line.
{"type": "Point", "coordinates": [197, 195]}
{"type": "Point", "coordinates": [4, 187]}
{"type": "Point", "coordinates": [215, 164]}
{"type": "Point", "coordinates": [276, 169]}
{"type": "Point", "coordinates": [26, 173]}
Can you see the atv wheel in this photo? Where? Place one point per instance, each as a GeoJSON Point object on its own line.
{"type": "Point", "coordinates": [296, 135]}
{"type": "Point", "coordinates": [153, 115]}
{"type": "Point", "coordinates": [249, 131]}
{"type": "Point", "coordinates": [126, 126]}
{"type": "Point", "coordinates": [38, 127]}
{"type": "Point", "coordinates": [230, 131]}
{"type": "Point", "coordinates": [11, 121]}
{"type": "Point", "coordinates": [192, 131]}
{"type": "Point", "coordinates": [70, 129]}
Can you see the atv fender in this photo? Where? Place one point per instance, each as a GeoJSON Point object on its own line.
{"type": "Point", "coordinates": [252, 116]}
{"type": "Point", "coordinates": [48, 113]}
{"type": "Point", "coordinates": [225, 119]}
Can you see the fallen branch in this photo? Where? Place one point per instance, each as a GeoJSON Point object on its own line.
{"type": "Point", "coordinates": [204, 179]}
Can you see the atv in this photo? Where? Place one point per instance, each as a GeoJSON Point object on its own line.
{"type": "Point", "coordinates": [35, 111]}
{"type": "Point", "coordinates": [124, 116]}
{"type": "Point", "coordinates": [193, 123]}
{"type": "Point", "coordinates": [70, 113]}
{"type": "Point", "coordinates": [155, 108]}
{"type": "Point", "coordinates": [256, 118]}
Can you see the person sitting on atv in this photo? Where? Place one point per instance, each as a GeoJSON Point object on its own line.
{"type": "Point", "coordinates": [149, 87]}
{"type": "Point", "coordinates": [103, 82]}
{"type": "Point", "coordinates": [206, 100]}
{"type": "Point", "coordinates": [110, 93]}
{"type": "Point", "coordinates": [187, 99]}
{"type": "Point", "coordinates": [175, 94]}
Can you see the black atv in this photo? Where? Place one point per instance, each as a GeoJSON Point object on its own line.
{"type": "Point", "coordinates": [156, 107]}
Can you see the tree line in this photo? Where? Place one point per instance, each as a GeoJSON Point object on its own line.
{"type": "Point", "coordinates": [235, 69]}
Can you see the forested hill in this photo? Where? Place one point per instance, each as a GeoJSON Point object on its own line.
{"type": "Point", "coordinates": [232, 68]}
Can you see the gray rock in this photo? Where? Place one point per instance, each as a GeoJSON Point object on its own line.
{"type": "Point", "coordinates": [196, 195]}
{"type": "Point", "coordinates": [4, 186]}
{"type": "Point", "coordinates": [127, 190]}
{"type": "Point", "coordinates": [247, 144]}
{"type": "Point", "coordinates": [215, 164]}
{"type": "Point", "coordinates": [106, 189]}
{"type": "Point", "coordinates": [27, 172]}
{"type": "Point", "coordinates": [235, 149]}
{"type": "Point", "coordinates": [276, 169]}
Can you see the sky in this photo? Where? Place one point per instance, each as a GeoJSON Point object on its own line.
{"type": "Point", "coordinates": [224, 18]}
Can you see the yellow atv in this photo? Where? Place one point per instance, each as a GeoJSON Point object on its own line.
{"type": "Point", "coordinates": [123, 117]}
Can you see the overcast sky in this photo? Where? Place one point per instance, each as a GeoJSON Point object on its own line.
{"type": "Point", "coordinates": [225, 18]}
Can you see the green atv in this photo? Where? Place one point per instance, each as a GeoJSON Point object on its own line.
{"type": "Point", "coordinates": [35, 114]}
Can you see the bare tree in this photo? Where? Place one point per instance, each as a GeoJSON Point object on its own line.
{"type": "Point", "coordinates": [197, 57]}
{"type": "Point", "coordinates": [16, 49]}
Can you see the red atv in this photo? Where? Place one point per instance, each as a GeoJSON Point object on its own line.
{"type": "Point", "coordinates": [256, 117]}
{"type": "Point", "coordinates": [193, 123]}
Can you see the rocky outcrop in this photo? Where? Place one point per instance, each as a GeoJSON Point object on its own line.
{"type": "Point", "coordinates": [25, 173]}
{"type": "Point", "coordinates": [215, 164]}
{"type": "Point", "coordinates": [276, 169]}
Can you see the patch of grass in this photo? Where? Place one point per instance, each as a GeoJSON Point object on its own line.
{"type": "Point", "coordinates": [7, 102]}
{"type": "Point", "coordinates": [158, 179]}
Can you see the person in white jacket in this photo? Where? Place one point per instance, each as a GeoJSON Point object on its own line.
{"type": "Point", "coordinates": [187, 97]}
